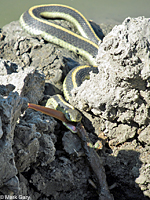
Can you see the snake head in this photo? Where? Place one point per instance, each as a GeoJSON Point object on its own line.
{"type": "Point", "coordinates": [55, 113]}
{"type": "Point", "coordinates": [73, 115]}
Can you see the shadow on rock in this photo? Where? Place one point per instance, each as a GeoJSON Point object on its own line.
{"type": "Point", "coordinates": [122, 171]}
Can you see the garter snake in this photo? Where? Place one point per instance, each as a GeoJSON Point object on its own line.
{"type": "Point", "coordinates": [35, 22]}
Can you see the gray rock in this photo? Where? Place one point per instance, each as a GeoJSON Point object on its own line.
{"type": "Point", "coordinates": [61, 178]}
{"type": "Point", "coordinates": [144, 135]}
{"type": "Point", "coordinates": [115, 101]}
{"type": "Point", "coordinates": [1, 130]}
{"type": "Point", "coordinates": [47, 148]}
{"type": "Point", "coordinates": [71, 143]}
{"type": "Point", "coordinates": [32, 142]}
{"type": "Point", "coordinates": [120, 134]}
{"type": "Point", "coordinates": [28, 82]}
{"type": "Point", "coordinates": [119, 93]}
{"type": "Point", "coordinates": [26, 146]}
{"type": "Point", "coordinates": [10, 111]}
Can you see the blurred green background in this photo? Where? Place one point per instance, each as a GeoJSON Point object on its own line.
{"type": "Point", "coordinates": [100, 11]}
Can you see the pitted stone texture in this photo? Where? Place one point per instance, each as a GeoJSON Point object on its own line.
{"type": "Point", "coordinates": [120, 92]}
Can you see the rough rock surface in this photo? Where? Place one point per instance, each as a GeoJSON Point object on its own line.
{"type": "Point", "coordinates": [45, 161]}
{"type": "Point", "coordinates": [39, 163]}
{"type": "Point", "coordinates": [120, 93]}
{"type": "Point", "coordinates": [31, 83]}
{"type": "Point", "coordinates": [10, 111]}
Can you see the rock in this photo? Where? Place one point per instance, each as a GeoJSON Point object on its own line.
{"type": "Point", "coordinates": [39, 154]}
{"type": "Point", "coordinates": [61, 179]}
{"type": "Point", "coordinates": [71, 143]}
{"type": "Point", "coordinates": [37, 137]}
{"type": "Point", "coordinates": [120, 134]}
{"type": "Point", "coordinates": [144, 135]}
{"type": "Point", "coordinates": [116, 92]}
{"type": "Point", "coordinates": [120, 93]}
{"type": "Point", "coordinates": [141, 179]}
{"type": "Point", "coordinates": [127, 163]}
{"type": "Point", "coordinates": [25, 189]}
{"type": "Point", "coordinates": [26, 146]}
{"type": "Point", "coordinates": [6, 89]}
{"type": "Point", "coordinates": [32, 143]}
{"type": "Point", "coordinates": [47, 148]}
{"type": "Point", "coordinates": [28, 82]}
{"type": "Point", "coordinates": [10, 108]}
{"type": "Point", "coordinates": [1, 130]}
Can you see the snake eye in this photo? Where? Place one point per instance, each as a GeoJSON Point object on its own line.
{"type": "Point", "coordinates": [68, 117]}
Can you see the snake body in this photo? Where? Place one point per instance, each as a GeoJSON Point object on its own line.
{"type": "Point", "coordinates": [35, 22]}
